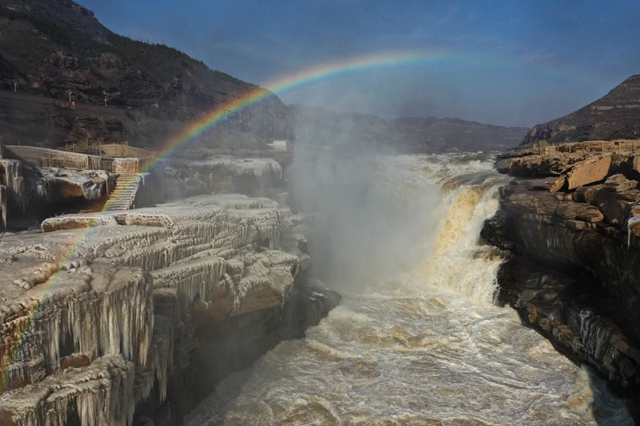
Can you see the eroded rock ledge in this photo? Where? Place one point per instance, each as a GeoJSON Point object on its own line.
{"type": "Point", "coordinates": [570, 222]}
{"type": "Point", "coordinates": [130, 317]}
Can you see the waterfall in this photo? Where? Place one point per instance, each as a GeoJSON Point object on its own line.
{"type": "Point", "coordinates": [458, 262]}
{"type": "Point", "coordinates": [417, 339]}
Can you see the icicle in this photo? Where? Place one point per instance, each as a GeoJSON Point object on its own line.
{"type": "Point", "coordinates": [3, 205]}
{"type": "Point", "coordinates": [632, 221]}
{"type": "Point", "coordinates": [101, 392]}
{"type": "Point", "coordinates": [160, 358]}
{"type": "Point", "coordinates": [196, 278]}
{"type": "Point", "coordinates": [126, 321]}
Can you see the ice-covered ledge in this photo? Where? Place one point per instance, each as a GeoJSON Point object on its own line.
{"type": "Point", "coordinates": [129, 297]}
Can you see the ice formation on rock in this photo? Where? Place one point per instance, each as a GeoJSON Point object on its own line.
{"type": "Point", "coordinates": [102, 309]}
{"type": "Point", "coordinates": [3, 204]}
{"type": "Point", "coordinates": [100, 394]}
{"type": "Point", "coordinates": [255, 177]}
{"type": "Point", "coordinates": [80, 326]}
{"type": "Point", "coordinates": [15, 182]}
{"type": "Point", "coordinates": [255, 167]}
{"type": "Point", "coordinates": [22, 186]}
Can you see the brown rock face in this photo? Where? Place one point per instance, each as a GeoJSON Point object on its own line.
{"type": "Point", "coordinates": [588, 172]}
{"type": "Point", "coordinates": [561, 309]}
{"type": "Point", "coordinates": [575, 273]}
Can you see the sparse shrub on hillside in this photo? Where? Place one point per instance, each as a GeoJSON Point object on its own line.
{"type": "Point", "coordinates": [158, 60]}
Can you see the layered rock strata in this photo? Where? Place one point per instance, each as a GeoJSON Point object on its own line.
{"type": "Point", "coordinates": [569, 220]}
{"type": "Point", "coordinates": [147, 308]}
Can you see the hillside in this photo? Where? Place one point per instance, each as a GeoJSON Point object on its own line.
{"type": "Point", "coordinates": [58, 51]}
{"type": "Point", "coordinates": [67, 79]}
{"type": "Point", "coordinates": [614, 116]}
{"type": "Point", "coordinates": [405, 135]}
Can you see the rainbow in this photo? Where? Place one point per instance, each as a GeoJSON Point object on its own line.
{"type": "Point", "coordinates": [278, 86]}
{"type": "Point", "coordinates": [209, 121]}
{"type": "Point", "coordinates": [191, 132]}
{"type": "Point", "coordinates": [322, 72]}
{"type": "Point", "coordinates": [283, 85]}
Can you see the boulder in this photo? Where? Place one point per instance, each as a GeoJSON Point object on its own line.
{"type": "Point", "coordinates": [585, 194]}
{"type": "Point", "coordinates": [588, 171]}
{"type": "Point", "coordinates": [620, 183]}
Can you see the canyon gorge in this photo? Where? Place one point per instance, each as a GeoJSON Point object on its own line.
{"type": "Point", "coordinates": [180, 247]}
{"type": "Point", "coordinates": [207, 309]}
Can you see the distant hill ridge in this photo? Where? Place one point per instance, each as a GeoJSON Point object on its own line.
{"type": "Point", "coordinates": [614, 116]}
{"type": "Point", "coordinates": [318, 126]}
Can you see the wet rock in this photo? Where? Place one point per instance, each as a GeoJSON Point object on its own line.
{"type": "Point", "coordinates": [578, 324]}
{"type": "Point", "coordinates": [575, 276]}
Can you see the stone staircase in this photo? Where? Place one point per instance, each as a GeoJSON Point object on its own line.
{"type": "Point", "coordinates": [123, 196]}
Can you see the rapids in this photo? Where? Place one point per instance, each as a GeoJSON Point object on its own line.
{"type": "Point", "coordinates": [417, 339]}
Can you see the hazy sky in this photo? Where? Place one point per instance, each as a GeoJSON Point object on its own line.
{"type": "Point", "coordinates": [514, 63]}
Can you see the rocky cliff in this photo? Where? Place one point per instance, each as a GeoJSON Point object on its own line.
{"type": "Point", "coordinates": [569, 220]}
{"type": "Point", "coordinates": [614, 116]}
{"type": "Point", "coordinates": [30, 194]}
{"type": "Point", "coordinates": [135, 315]}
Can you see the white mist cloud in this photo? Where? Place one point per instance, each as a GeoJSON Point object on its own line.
{"type": "Point", "coordinates": [370, 224]}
